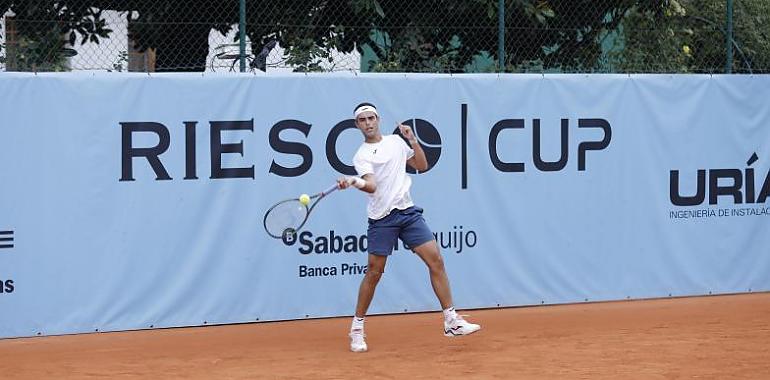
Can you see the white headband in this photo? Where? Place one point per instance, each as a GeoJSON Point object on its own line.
{"type": "Point", "coordinates": [363, 109]}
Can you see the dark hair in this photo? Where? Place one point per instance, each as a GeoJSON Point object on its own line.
{"type": "Point", "coordinates": [363, 104]}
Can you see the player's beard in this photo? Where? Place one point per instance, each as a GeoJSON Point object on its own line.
{"type": "Point", "coordinates": [371, 134]}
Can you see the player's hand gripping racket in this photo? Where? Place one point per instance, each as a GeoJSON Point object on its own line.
{"type": "Point", "coordinates": [284, 219]}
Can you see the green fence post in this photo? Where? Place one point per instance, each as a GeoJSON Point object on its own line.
{"type": "Point", "coordinates": [242, 34]}
{"type": "Point", "coordinates": [501, 35]}
{"type": "Point", "coordinates": [729, 36]}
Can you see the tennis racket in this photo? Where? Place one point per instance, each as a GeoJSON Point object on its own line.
{"type": "Point", "coordinates": [284, 219]}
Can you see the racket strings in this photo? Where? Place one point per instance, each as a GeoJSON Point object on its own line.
{"type": "Point", "coordinates": [289, 214]}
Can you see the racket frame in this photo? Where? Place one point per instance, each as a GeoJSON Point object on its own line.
{"type": "Point", "coordinates": [315, 198]}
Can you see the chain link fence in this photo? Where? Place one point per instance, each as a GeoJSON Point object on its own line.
{"type": "Point", "coordinates": [450, 36]}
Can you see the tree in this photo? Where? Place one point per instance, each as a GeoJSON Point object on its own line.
{"type": "Point", "coordinates": [418, 36]}
{"type": "Point", "coordinates": [690, 36]}
{"type": "Point", "coordinates": [45, 27]}
{"type": "Point", "coordinates": [447, 35]}
{"type": "Point", "coordinates": [178, 30]}
{"type": "Point", "coordinates": [450, 35]}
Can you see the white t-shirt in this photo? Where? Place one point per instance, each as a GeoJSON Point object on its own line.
{"type": "Point", "coordinates": [386, 160]}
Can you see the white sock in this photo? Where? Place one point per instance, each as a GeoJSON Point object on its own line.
{"type": "Point", "coordinates": [450, 314]}
{"type": "Point", "coordinates": [358, 324]}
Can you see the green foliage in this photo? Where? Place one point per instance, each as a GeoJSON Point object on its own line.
{"type": "Point", "coordinates": [455, 35]}
{"type": "Point", "coordinates": [305, 56]}
{"type": "Point", "coordinates": [309, 31]}
{"type": "Point", "coordinates": [413, 36]}
{"type": "Point", "coordinates": [178, 30]}
{"type": "Point", "coordinates": [752, 36]}
{"type": "Point", "coordinates": [47, 53]}
{"type": "Point", "coordinates": [44, 28]}
{"type": "Point", "coordinates": [433, 36]}
{"type": "Point", "coordinates": [121, 62]}
{"type": "Point", "coordinates": [689, 36]}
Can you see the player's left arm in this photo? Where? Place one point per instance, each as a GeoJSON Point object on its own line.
{"type": "Point", "coordinates": [418, 161]}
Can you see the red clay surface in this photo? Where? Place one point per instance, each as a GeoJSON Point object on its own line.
{"type": "Point", "coordinates": [721, 337]}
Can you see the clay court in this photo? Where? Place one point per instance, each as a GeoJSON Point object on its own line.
{"type": "Point", "coordinates": [716, 337]}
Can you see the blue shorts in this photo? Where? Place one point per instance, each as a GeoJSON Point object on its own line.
{"type": "Point", "coordinates": [407, 225]}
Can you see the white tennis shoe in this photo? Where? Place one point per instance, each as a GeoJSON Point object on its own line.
{"type": "Point", "coordinates": [459, 326]}
{"type": "Point", "coordinates": [357, 342]}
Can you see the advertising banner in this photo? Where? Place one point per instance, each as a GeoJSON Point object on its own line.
{"type": "Point", "coordinates": [132, 201]}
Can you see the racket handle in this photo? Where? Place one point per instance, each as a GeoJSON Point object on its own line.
{"type": "Point", "coordinates": [331, 189]}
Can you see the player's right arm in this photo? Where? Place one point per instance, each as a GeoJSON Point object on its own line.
{"type": "Point", "coordinates": [365, 180]}
{"type": "Point", "coordinates": [365, 183]}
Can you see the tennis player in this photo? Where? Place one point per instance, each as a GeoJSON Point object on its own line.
{"type": "Point", "coordinates": [381, 165]}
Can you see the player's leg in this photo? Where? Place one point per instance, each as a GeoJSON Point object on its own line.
{"type": "Point", "coordinates": [381, 238]}
{"type": "Point", "coordinates": [431, 256]}
{"type": "Point", "coordinates": [374, 271]}
{"type": "Point", "coordinates": [454, 324]}
{"type": "Point", "coordinates": [418, 236]}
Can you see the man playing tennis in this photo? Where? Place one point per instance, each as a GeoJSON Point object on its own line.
{"type": "Point", "coordinates": [381, 164]}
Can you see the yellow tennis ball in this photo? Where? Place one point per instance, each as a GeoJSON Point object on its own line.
{"type": "Point", "coordinates": [304, 199]}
